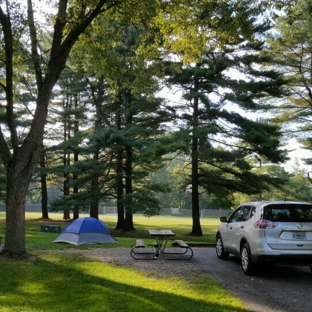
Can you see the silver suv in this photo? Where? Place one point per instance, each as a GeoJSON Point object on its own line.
{"type": "Point", "coordinates": [277, 232]}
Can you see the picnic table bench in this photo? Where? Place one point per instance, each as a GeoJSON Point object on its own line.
{"type": "Point", "coordinates": [140, 243]}
{"type": "Point", "coordinates": [141, 251]}
{"type": "Point", "coordinates": [185, 252]}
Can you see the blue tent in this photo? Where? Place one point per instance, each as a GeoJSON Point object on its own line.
{"type": "Point", "coordinates": [85, 231]}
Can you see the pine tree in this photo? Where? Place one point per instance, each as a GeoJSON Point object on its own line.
{"type": "Point", "coordinates": [225, 82]}
{"type": "Point", "coordinates": [131, 128]}
{"type": "Point", "coordinates": [289, 52]}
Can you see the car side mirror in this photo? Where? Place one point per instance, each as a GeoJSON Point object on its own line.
{"type": "Point", "coordinates": [223, 219]}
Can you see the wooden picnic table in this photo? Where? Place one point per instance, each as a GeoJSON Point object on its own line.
{"type": "Point", "coordinates": [138, 251]}
{"type": "Point", "coordinates": [161, 237]}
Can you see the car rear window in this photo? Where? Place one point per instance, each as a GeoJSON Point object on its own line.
{"type": "Point", "coordinates": [288, 213]}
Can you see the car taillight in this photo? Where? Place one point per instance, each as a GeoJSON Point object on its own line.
{"type": "Point", "coordinates": [265, 224]}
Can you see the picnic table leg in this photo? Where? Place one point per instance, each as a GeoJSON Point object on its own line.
{"type": "Point", "coordinates": [158, 247]}
{"type": "Point", "coordinates": [161, 244]}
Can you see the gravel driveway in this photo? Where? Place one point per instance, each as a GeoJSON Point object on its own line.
{"type": "Point", "coordinates": [278, 289]}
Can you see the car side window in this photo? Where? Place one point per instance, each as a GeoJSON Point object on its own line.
{"type": "Point", "coordinates": [242, 214]}
{"type": "Point", "coordinates": [245, 213]}
{"type": "Point", "coordinates": [235, 216]}
{"type": "Point", "coordinates": [252, 212]}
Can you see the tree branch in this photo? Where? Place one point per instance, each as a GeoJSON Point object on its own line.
{"type": "Point", "coordinates": [4, 150]}
{"type": "Point", "coordinates": [34, 44]}
{"type": "Point", "coordinates": [8, 88]}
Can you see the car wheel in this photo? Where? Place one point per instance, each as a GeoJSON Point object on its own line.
{"type": "Point", "coordinates": [248, 266]}
{"type": "Point", "coordinates": [310, 267]}
{"type": "Point", "coordinates": [220, 250]}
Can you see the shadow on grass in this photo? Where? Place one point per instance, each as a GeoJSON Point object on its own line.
{"type": "Point", "coordinates": [57, 282]}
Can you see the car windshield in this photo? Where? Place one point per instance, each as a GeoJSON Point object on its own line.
{"type": "Point", "coordinates": [288, 213]}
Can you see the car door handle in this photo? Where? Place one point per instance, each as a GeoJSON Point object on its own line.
{"type": "Point", "coordinates": [242, 227]}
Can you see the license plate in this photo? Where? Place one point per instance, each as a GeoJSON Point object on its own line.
{"type": "Point", "coordinates": [299, 236]}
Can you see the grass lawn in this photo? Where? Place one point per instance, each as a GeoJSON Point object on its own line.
{"type": "Point", "coordinates": [56, 281]}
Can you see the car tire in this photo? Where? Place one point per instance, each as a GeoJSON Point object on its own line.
{"type": "Point", "coordinates": [248, 266]}
{"type": "Point", "coordinates": [224, 255]}
{"type": "Point", "coordinates": [310, 267]}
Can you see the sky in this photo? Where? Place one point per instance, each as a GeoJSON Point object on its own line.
{"type": "Point", "coordinates": [297, 154]}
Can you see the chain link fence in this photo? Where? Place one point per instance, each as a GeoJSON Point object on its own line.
{"type": "Point", "coordinates": [204, 213]}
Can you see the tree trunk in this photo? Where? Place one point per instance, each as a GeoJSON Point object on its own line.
{"type": "Point", "coordinates": [18, 179]}
{"type": "Point", "coordinates": [66, 190]}
{"type": "Point", "coordinates": [119, 182]}
{"type": "Point", "coordinates": [119, 194]}
{"type": "Point", "coordinates": [129, 222]}
{"type": "Point", "coordinates": [44, 189]}
{"type": "Point", "coordinates": [76, 157]}
{"type": "Point", "coordinates": [94, 206]}
{"type": "Point", "coordinates": [196, 227]}
{"type": "Point", "coordinates": [15, 223]}
{"type": "Point", "coordinates": [129, 213]}
{"type": "Point", "coordinates": [128, 170]}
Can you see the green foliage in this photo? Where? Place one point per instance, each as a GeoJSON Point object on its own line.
{"type": "Point", "coordinates": [125, 128]}
{"type": "Point", "coordinates": [290, 51]}
{"type": "Point", "coordinates": [216, 127]}
{"type": "Point", "coordinates": [194, 28]}
{"type": "Point", "coordinates": [220, 42]}
{"type": "Point", "coordinates": [280, 185]}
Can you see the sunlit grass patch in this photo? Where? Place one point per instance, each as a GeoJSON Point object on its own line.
{"type": "Point", "coordinates": [68, 282]}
